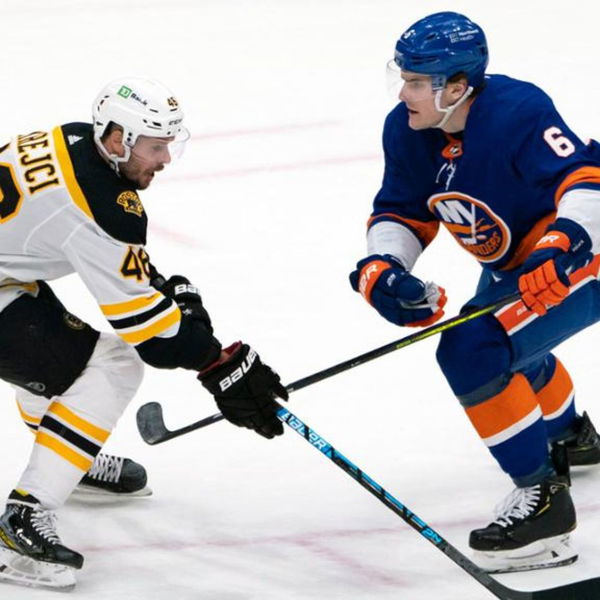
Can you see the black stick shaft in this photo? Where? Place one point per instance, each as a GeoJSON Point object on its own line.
{"type": "Point", "coordinates": [164, 434]}
{"type": "Point", "coordinates": [398, 344]}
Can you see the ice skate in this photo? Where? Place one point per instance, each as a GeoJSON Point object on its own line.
{"type": "Point", "coordinates": [584, 448]}
{"type": "Point", "coordinates": [31, 552]}
{"type": "Point", "coordinates": [530, 531]}
{"type": "Point", "coordinates": [115, 476]}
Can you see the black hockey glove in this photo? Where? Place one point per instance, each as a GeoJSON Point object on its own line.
{"type": "Point", "coordinates": [245, 390]}
{"type": "Point", "coordinates": [187, 297]}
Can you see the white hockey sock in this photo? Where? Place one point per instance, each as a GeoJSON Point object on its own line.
{"type": "Point", "coordinates": [75, 426]}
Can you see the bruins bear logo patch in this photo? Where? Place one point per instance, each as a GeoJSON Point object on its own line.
{"type": "Point", "coordinates": [73, 322]}
{"type": "Point", "coordinates": [131, 203]}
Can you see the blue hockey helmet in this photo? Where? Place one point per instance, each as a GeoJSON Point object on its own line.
{"type": "Point", "coordinates": [442, 45]}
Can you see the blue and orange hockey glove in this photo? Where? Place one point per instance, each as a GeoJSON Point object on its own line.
{"type": "Point", "coordinates": [395, 294]}
{"type": "Point", "coordinates": [544, 280]}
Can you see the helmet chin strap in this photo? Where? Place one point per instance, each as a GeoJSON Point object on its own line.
{"type": "Point", "coordinates": [112, 159]}
{"type": "Point", "coordinates": [449, 111]}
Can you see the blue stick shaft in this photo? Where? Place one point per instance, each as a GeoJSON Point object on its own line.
{"type": "Point", "coordinates": [397, 507]}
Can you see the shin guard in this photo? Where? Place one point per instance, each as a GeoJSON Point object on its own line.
{"type": "Point", "coordinates": [76, 424]}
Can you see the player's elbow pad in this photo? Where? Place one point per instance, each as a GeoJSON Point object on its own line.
{"type": "Point", "coordinates": [192, 348]}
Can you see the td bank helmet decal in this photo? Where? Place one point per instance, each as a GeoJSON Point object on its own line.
{"type": "Point", "coordinates": [474, 225]}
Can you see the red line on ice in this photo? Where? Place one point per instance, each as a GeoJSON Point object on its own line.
{"type": "Point", "coordinates": [315, 542]}
{"type": "Point", "coordinates": [307, 164]}
{"type": "Point", "coordinates": [263, 130]}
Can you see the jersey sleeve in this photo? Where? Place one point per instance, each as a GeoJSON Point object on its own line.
{"type": "Point", "coordinates": [400, 222]}
{"type": "Point", "coordinates": [118, 276]}
{"type": "Point", "coordinates": [550, 155]}
{"type": "Point", "coordinates": [547, 151]}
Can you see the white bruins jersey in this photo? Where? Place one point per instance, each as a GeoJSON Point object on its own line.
{"type": "Point", "coordinates": [64, 210]}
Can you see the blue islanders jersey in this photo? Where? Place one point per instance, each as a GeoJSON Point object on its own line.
{"type": "Point", "coordinates": [496, 185]}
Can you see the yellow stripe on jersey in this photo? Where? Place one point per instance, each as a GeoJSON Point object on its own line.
{"type": "Point", "coordinates": [81, 462]}
{"type": "Point", "coordinates": [145, 333]}
{"type": "Point", "coordinates": [30, 287]}
{"type": "Point", "coordinates": [28, 418]}
{"type": "Point", "coordinates": [120, 308]}
{"type": "Point", "coordinates": [60, 410]}
{"type": "Point", "coordinates": [66, 166]}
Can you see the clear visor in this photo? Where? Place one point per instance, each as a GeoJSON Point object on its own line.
{"type": "Point", "coordinates": [160, 150]}
{"type": "Point", "coordinates": [416, 86]}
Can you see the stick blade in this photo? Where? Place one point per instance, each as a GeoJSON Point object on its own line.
{"type": "Point", "coordinates": [589, 589]}
{"type": "Point", "coordinates": [151, 424]}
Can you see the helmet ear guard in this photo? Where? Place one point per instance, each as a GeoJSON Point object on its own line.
{"type": "Point", "coordinates": [140, 107]}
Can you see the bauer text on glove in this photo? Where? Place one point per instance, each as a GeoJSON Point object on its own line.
{"type": "Point", "coordinates": [245, 390]}
{"type": "Point", "coordinates": [188, 298]}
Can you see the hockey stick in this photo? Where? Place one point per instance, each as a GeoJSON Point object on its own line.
{"type": "Point", "coordinates": [150, 419]}
{"type": "Point", "coordinates": [588, 589]}
{"type": "Point", "coordinates": [151, 424]}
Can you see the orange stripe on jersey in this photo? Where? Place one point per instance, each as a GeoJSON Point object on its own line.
{"type": "Point", "coordinates": [516, 314]}
{"type": "Point", "coordinates": [66, 167]}
{"type": "Point", "coordinates": [582, 175]}
{"type": "Point", "coordinates": [141, 335]}
{"type": "Point", "coordinates": [64, 451]}
{"type": "Point", "coordinates": [513, 315]}
{"type": "Point", "coordinates": [505, 409]}
{"type": "Point", "coordinates": [590, 270]}
{"type": "Point", "coordinates": [554, 394]}
{"type": "Point", "coordinates": [120, 308]}
{"type": "Point", "coordinates": [527, 244]}
{"type": "Point", "coordinates": [426, 231]}
{"type": "Point", "coordinates": [67, 415]}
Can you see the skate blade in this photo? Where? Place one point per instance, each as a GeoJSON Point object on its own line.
{"type": "Point", "coordinates": [543, 554]}
{"type": "Point", "coordinates": [89, 490]}
{"type": "Point", "coordinates": [23, 570]}
{"type": "Point", "coordinates": [584, 466]}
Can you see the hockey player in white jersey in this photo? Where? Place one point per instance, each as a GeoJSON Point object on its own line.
{"type": "Point", "coordinates": [69, 203]}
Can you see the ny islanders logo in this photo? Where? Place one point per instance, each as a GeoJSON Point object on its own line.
{"type": "Point", "coordinates": [473, 224]}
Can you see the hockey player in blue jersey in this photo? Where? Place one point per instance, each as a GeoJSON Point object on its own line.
{"type": "Point", "coordinates": [490, 158]}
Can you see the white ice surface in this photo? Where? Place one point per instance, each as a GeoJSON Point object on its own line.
{"type": "Point", "coordinates": [266, 213]}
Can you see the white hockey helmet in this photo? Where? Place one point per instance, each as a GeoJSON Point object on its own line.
{"type": "Point", "coordinates": [142, 107]}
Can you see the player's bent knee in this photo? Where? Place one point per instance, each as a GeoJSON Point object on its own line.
{"type": "Point", "coordinates": [121, 362]}
{"type": "Point", "coordinates": [474, 354]}
{"type": "Point", "coordinates": [108, 383]}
